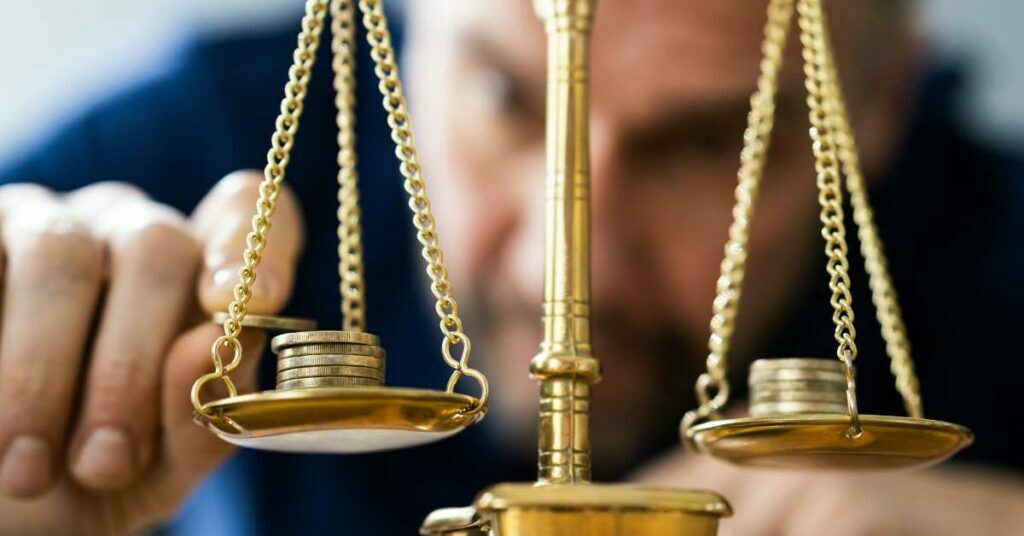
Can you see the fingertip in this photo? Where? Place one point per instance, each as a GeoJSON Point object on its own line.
{"type": "Point", "coordinates": [270, 291]}
{"type": "Point", "coordinates": [223, 221]}
{"type": "Point", "coordinates": [224, 216]}
{"type": "Point", "coordinates": [106, 460]}
{"type": "Point", "coordinates": [26, 469]}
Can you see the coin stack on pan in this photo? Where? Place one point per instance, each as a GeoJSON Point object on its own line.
{"type": "Point", "coordinates": [795, 385]}
{"type": "Point", "coordinates": [328, 359]}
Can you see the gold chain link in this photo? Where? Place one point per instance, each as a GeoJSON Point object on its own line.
{"type": "Point", "coordinates": [830, 190]}
{"type": "Point", "coordinates": [278, 156]}
{"type": "Point", "coordinates": [883, 295]}
{"type": "Point", "coordinates": [350, 244]}
{"type": "Point", "coordinates": [386, 68]}
{"type": "Point", "coordinates": [756, 139]}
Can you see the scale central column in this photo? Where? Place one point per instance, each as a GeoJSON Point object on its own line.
{"type": "Point", "coordinates": [565, 366]}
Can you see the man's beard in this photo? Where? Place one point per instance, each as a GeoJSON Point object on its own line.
{"type": "Point", "coordinates": [646, 386]}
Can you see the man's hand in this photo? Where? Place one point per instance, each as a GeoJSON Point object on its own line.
{"type": "Point", "coordinates": [103, 332]}
{"type": "Point", "coordinates": [938, 502]}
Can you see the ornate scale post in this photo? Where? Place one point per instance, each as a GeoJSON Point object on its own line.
{"type": "Point", "coordinates": [565, 366]}
{"type": "Point", "coordinates": [563, 501]}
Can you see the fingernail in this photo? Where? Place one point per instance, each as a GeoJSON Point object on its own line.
{"type": "Point", "coordinates": [105, 458]}
{"type": "Point", "coordinates": [26, 466]}
{"type": "Point", "coordinates": [225, 279]}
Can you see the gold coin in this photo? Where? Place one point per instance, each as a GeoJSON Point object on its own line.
{"type": "Point", "coordinates": [330, 348]}
{"type": "Point", "coordinates": [273, 323]}
{"type": "Point", "coordinates": [306, 383]}
{"type": "Point", "coordinates": [329, 361]}
{"type": "Point", "coordinates": [319, 337]}
{"type": "Point", "coordinates": [339, 371]}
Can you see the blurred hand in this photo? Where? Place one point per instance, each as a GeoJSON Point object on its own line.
{"type": "Point", "coordinates": [102, 335]}
{"type": "Point", "coordinates": [938, 502]}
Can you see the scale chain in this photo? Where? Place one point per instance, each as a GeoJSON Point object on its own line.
{"type": "Point", "coordinates": [278, 157]}
{"type": "Point", "coordinates": [386, 68]}
{"type": "Point", "coordinates": [883, 295]}
{"type": "Point", "coordinates": [830, 196]}
{"type": "Point", "coordinates": [350, 245]}
{"type": "Point", "coordinates": [729, 286]}
{"type": "Point", "coordinates": [835, 158]}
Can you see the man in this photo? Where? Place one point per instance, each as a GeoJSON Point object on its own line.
{"type": "Point", "coordinates": [102, 282]}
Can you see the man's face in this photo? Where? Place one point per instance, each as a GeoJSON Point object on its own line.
{"type": "Point", "coordinates": [670, 88]}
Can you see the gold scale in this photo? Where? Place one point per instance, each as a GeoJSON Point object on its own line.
{"type": "Point", "coordinates": [804, 411]}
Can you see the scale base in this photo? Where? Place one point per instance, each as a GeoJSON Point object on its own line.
{"type": "Point", "coordinates": [819, 441]}
{"type": "Point", "coordinates": [340, 420]}
{"type": "Point", "coordinates": [597, 510]}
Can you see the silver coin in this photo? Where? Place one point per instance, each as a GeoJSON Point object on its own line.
{"type": "Point", "coordinates": [798, 385]}
{"type": "Point", "coordinates": [797, 363]}
{"type": "Point", "coordinates": [330, 348]}
{"type": "Point", "coordinates": [338, 371]}
{"type": "Point", "coordinates": [320, 337]}
{"type": "Point", "coordinates": [765, 409]}
{"type": "Point", "coordinates": [330, 361]}
{"type": "Point", "coordinates": [797, 375]}
{"type": "Point", "coordinates": [307, 383]}
{"type": "Point", "coordinates": [798, 396]}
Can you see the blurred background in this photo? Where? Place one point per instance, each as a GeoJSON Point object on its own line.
{"type": "Point", "coordinates": [62, 53]}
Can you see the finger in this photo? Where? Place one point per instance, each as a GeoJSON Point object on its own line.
{"type": "Point", "coordinates": [52, 283]}
{"type": "Point", "coordinates": [153, 260]}
{"type": "Point", "coordinates": [222, 221]}
{"type": "Point", "coordinates": [186, 452]}
{"type": "Point", "coordinates": [758, 513]}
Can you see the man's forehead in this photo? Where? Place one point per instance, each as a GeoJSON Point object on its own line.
{"type": "Point", "coordinates": [680, 45]}
{"type": "Point", "coordinates": [645, 53]}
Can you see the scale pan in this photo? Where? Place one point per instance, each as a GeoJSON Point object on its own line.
{"type": "Point", "coordinates": [340, 420]}
{"type": "Point", "coordinates": [818, 441]}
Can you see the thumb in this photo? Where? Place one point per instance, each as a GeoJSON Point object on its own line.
{"type": "Point", "coordinates": [222, 222]}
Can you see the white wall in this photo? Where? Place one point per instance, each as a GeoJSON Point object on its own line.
{"type": "Point", "coordinates": [988, 32]}
{"type": "Point", "coordinates": [59, 54]}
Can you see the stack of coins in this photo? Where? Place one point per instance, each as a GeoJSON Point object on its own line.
{"type": "Point", "coordinates": [328, 359]}
{"type": "Point", "coordinates": [797, 385]}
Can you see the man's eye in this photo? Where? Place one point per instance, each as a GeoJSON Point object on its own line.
{"type": "Point", "coordinates": [716, 140]}
{"type": "Point", "coordinates": [497, 93]}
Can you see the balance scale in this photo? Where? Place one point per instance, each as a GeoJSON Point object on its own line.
{"type": "Point", "coordinates": [330, 395]}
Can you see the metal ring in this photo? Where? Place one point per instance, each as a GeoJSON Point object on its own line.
{"type": "Point", "coordinates": [851, 398]}
{"type": "Point", "coordinates": [236, 356]}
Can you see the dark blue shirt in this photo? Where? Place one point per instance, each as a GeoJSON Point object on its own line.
{"type": "Point", "coordinates": [950, 211]}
